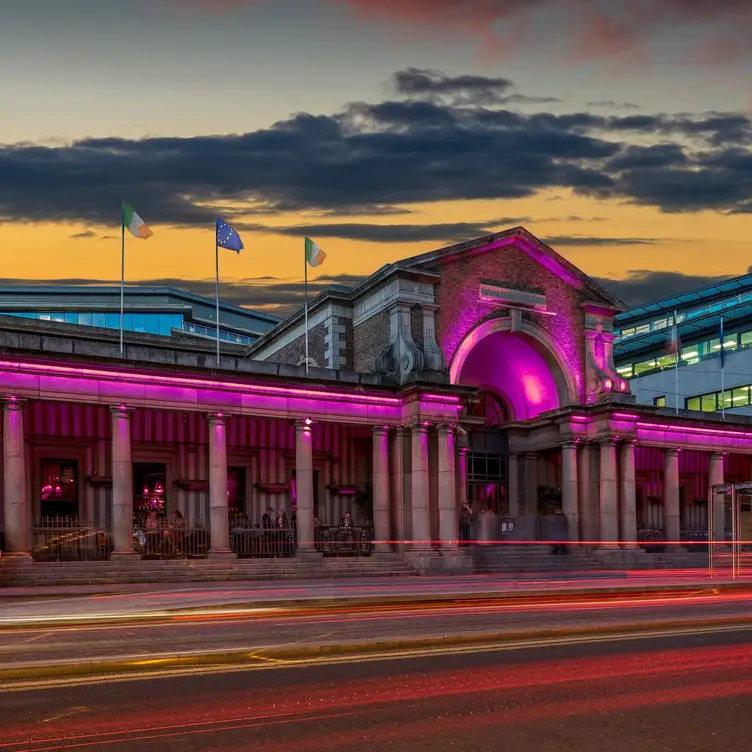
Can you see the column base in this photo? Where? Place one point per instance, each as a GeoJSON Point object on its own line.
{"type": "Point", "coordinates": [382, 548]}
{"type": "Point", "coordinates": [222, 553]}
{"type": "Point", "coordinates": [310, 555]}
{"type": "Point", "coordinates": [130, 555]}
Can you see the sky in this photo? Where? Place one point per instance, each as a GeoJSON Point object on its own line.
{"type": "Point", "coordinates": [619, 133]}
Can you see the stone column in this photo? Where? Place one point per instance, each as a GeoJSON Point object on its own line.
{"type": "Point", "coordinates": [671, 499]}
{"type": "Point", "coordinates": [398, 490]}
{"type": "Point", "coordinates": [609, 496]}
{"type": "Point", "coordinates": [304, 486]}
{"type": "Point", "coordinates": [449, 532]}
{"type": "Point", "coordinates": [15, 491]}
{"type": "Point", "coordinates": [628, 488]}
{"type": "Point", "coordinates": [122, 482]}
{"type": "Point", "coordinates": [513, 475]}
{"type": "Point", "coordinates": [716, 477]}
{"type": "Point", "coordinates": [530, 468]}
{"type": "Point", "coordinates": [461, 477]}
{"type": "Point", "coordinates": [569, 489]}
{"type": "Point", "coordinates": [381, 512]}
{"type": "Point", "coordinates": [219, 515]}
{"type": "Point", "coordinates": [421, 538]}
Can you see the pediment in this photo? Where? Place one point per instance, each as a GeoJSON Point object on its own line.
{"type": "Point", "coordinates": [520, 238]}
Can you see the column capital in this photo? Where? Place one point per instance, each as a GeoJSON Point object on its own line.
{"type": "Point", "coordinates": [607, 441]}
{"type": "Point", "coordinates": [380, 430]}
{"type": "Point", "coordinates": [569, 444]}
{"type": "Point", "coordinates": [303, 424]}
{"type": "Point", "coordinates": [11, 403]}
{"type": "Point", "coordinates": [121, 410]}
{"type": "Point", "coordinates": [672, 451]}
{"type": "Point", "coordinates": [218, 418]}
{"type": "Point", "coordinates": [718, 454]}
{"type": "Point", "coordinates": [446, 428]}
{"type": "Point", "coordinates": [419, 427]}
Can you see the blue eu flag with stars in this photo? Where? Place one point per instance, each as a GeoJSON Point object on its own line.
{"type": "Point", "coordinates": [227, 237]}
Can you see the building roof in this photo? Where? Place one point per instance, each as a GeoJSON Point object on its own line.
{"type": "Point", "coordinates": [693, 298]}
{"type": "Point", "coordinates": [53, 295]}
{"type": "Point", "coordinates": [533, 245]}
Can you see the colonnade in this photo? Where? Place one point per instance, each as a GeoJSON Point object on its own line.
{"type": "Point", "coordinates": [17, 511]}
{"type": "Point", "coordinates": [617, 490]}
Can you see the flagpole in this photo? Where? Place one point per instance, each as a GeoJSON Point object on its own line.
{"type": "Point", "coordinates": [216, 259]}
{"type": "Point", "coordinates": [305, 277]}
{"type": "Point", "coordinates": [723, 386]}
{"type": "Point", "coordinates": [122, 273]}
{"type": "Point", "coordinates": [676, 368]}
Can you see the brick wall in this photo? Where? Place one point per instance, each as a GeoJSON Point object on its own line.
{"type": "Point", "coordinates": [460, 310]}
{"type": "Point", "coordinates": [292, 353]}
{"type": "Point", "coordinates": [369, 338]}
{"type": "Point", "coordinates": [416, 326]}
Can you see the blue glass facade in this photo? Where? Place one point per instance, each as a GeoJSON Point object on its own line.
{"type": "Point", "coordinates": [150, 323]}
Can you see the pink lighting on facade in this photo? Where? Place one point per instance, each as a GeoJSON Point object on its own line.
{"type": "Point", "coordinates": [507, 364]}
{"type": "Point", "coordinates": [308, 421]}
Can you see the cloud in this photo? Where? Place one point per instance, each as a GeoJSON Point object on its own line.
{"type": "Point", "coordinates": [583, 240]}
{"type": "Point", "coordinates": [448, 232]}
{"type": "Point", "coordinates": [378, 158]}
{"type": "Point", "coordinates": [599, 29]}
{"type": "Point", "coordinates": [610, 104]}
{"type": "Point", "coordinates": [83, 235]}
{"type": "Point", "coordinates": [435, 86]}
{"type": "Point", "coordinates": [644, 286]}
{"type": "Point", "coordinates": [272, 295]}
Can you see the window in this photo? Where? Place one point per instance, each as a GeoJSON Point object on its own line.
{"type": "Point", "coordinates": [645, 365]}
{"type": "Point", "coordinates": [236, 490]}
{"type": "Point", "coordinates": [745, 339]}
{"type": "Point", "coordinates": [693, 403]}
{"type": "Point", "coordinates": [58, 493]}
{"type": "Point", "coordinates": [660, 401]}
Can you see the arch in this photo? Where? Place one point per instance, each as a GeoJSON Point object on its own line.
{"type": "Point", "coordinates": [524, 365]}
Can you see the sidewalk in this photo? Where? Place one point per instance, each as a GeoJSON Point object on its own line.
{"type": "Point", "coordinates": [26, 606]}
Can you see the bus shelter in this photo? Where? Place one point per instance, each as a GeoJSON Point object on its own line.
{"type": "Point", "coordinates": [729, 528]}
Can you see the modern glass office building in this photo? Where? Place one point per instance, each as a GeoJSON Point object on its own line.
{"type": "Point", "coordinates": [151, 310]}
{"type": "Point", "coordinates": [699, 372]}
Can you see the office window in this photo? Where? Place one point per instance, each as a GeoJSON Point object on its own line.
{"type": "Point", "coordinates": [660, 401]}
{"type": "Point", "coordinates": [71, 318]}
{"type": "Point", "coordinates": [693, 403]}
{"type": "Point", "coordinates": [708, 403]}
{"type": "Point", "coordinates": [745, 339]}
{"type": "Point", "coordinates": [642, 367]}
{"type": "Point", "coordinates": [112, 320]}
{"type": "Point", "coordinates": [740, 396]}
{"type": "Point", "coordinates": [98, 319]}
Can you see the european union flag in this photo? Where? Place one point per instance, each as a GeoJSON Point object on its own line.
{"type": "Point", "coordinates": [227, 237]}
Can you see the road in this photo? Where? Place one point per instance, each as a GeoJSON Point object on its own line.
{"type": "Point", "coordinates": [687, 693]}
{"type": "Point", "coordinates": [295, 626]}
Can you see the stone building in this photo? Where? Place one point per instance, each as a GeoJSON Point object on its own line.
{"type": "Point", "coordinates": [482, 372]}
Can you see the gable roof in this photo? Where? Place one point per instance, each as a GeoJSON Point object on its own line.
{"type": "Point", "coordinates": [525, 240]}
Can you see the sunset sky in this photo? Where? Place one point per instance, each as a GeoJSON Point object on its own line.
{"type": "Point", "coordinates": [618, 132]}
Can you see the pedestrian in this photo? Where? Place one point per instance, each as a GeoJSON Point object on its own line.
{"type": "Point", "coordinates": [560, 530]}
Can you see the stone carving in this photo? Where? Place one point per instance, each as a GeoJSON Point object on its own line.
{"type": "Point", "coordinates": [433, 355]}
{"type": "Point", "coordinates": [401, 356]}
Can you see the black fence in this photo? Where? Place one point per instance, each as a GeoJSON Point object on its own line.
{"type": "Point", "coordinates": [70, 539]}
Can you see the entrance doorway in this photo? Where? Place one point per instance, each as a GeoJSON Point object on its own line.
{"type": "Point", "coordinates": [149, 490]}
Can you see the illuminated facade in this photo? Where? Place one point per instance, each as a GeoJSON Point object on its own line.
{"type": "Point", "coordinates": [482, 372]}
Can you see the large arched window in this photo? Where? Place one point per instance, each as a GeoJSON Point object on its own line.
{"type": "Point", "coordinates": [491, 408]}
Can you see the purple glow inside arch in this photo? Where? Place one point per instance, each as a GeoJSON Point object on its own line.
{"type": "Point", "coordinates": [510, 366]}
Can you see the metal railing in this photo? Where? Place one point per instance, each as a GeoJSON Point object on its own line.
{"type": "Point", "coordinates": [251, 541]}
{"type": "Point", "coordinates": [70, 539]}
{"type": "Point", "coordinates": [166, 539]}
{"type": "Point", "coordinates": [335, 540]}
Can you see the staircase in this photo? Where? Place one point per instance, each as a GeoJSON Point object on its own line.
{"type": "Point", "coordinates": [680, 558]}
{"type": "Point", "coordinates": [26, 572]}
{"type": "Point", "coordinates": [533, 558]}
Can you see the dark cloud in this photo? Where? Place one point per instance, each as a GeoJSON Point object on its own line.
{"type": "Point", "coordinates": [611, 104]}
{"type": "Point", "coordinates": [435, 86]}
{"type": "Point", "coordinates": [449, 232]}
{"type": "Point", "coordinates": [83, 235]}
{"type": "Point", "coordinates": [643, 286]}
{"type": "Point", "coordinates": [272, 295]}
{"type": "Point", "coordinates": [373, 159]}
{"type": "Point", "coordinates": [582, 240]}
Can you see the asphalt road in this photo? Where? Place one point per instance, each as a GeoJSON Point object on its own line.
{"type": "Point", "coordinates": [691, 693]}
{"type": "Point", "coordinates": [291, 627]}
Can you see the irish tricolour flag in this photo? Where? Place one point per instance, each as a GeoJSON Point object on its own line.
{"type": "Point", "coordinates": [314, 255]}
{"type": "Point", "coordinates": [136, 226]}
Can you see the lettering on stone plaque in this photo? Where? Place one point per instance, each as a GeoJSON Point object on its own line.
{"type": "Point", "coordinates": [495, 294]}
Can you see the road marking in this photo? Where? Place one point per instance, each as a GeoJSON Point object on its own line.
{"type": "Point", "coordinates": [272, 664]}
